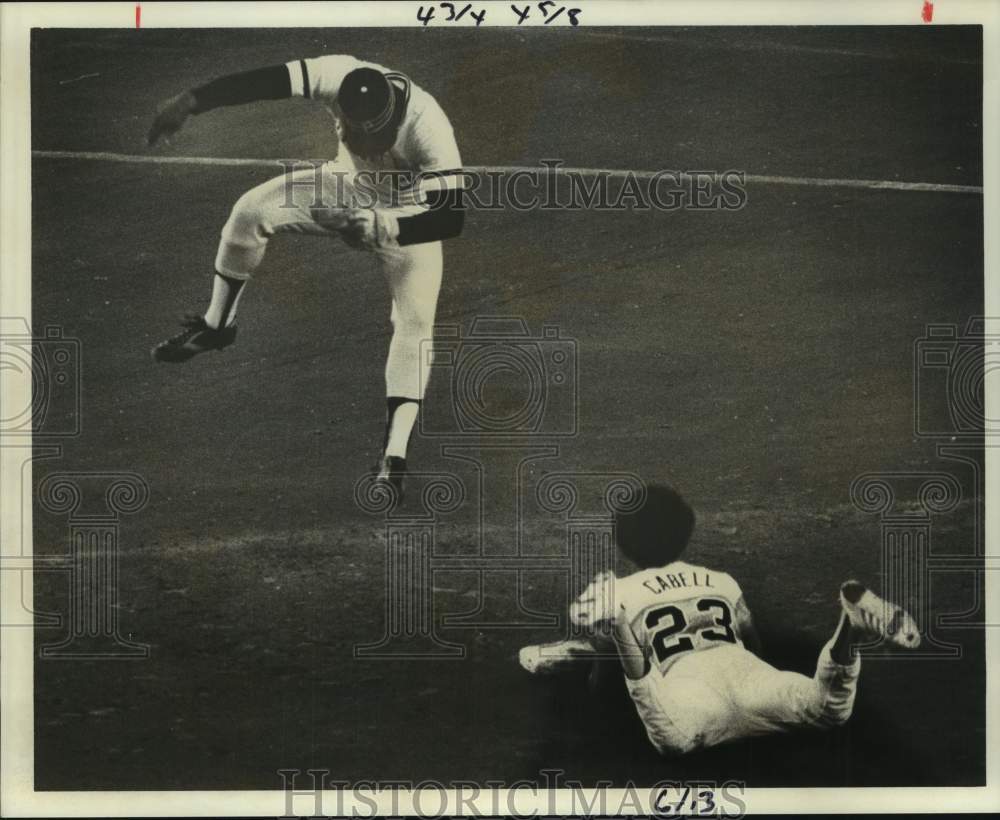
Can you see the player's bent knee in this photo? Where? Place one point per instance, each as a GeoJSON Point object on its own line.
{"type": "Point", "coordinates": [248, 221]}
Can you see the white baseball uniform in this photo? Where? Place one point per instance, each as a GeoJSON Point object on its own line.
{"type": "Point", "coordinates": [425, 142]}
{"type": "Point", "coordinates": [702, 686]}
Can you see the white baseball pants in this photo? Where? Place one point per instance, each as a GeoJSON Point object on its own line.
{"type": "Point", "coordinates": [726, 693]}
{"type": "Point", "coordinates": [287, 204]}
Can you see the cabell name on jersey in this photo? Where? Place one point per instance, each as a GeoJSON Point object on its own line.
{"type": "Point", "coordinates": [679, 580]}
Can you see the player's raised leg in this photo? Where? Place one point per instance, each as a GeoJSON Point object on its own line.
{"type": "Point", "coordinates": [289, 203]}
{"type": "Point", "coordinates": [864, 617]}
{"type": "Point", "coordinates": [770, 700]}
{"type": "Point", "coordinates": [414, 276]}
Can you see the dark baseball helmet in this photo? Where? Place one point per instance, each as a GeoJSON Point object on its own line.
{"type": "Point", "coordinates": [367, 100]}
{"type": "Point", "coordinates": [373, 105]}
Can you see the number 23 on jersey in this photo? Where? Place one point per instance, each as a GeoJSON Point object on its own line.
{"type": "Point", "coordinates": [697, 623]}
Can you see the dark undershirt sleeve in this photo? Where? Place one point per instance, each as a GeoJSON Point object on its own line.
{"type": "Point", "coordinates": [444, 219]}
{"type": "Point", "coordinates": [271, 83]}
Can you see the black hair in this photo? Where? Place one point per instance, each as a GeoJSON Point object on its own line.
{"type": "Point", "coordinates": [656, 533]}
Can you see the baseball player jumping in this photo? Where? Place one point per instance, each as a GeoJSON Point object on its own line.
{"type": "Point", "coordinates": [689, 650]}
{"type": "Point", "coordinates": [394, 190]}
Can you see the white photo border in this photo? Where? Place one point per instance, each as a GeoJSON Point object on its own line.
{"type": "Point", "coordinates": [16, 644]}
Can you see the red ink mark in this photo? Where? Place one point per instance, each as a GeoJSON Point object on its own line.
{"type": "Point", "coordinates": [928, 13]}
{"type": "Point", "coordinates": [138, 15]}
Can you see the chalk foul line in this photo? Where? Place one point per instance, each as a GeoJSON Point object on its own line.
{"type": "Point", "coordinates": [761, 179]}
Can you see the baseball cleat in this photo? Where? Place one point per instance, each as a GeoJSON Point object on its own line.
{"type": "Point", "coordinates": [875, 616]}
{"type": "Point", "coordinates": [543, 659]}
{"type": "Point", "coordinates": [390, 473]}
{"type": "Point", "coordinates": [197, 337]}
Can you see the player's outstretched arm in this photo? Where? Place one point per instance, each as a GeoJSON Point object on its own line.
{"type": "Point", "coordinates": [270, 83]}
{"type": "Point", "coordinates": [171, 116]}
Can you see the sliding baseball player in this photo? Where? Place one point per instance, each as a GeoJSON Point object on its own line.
{"type": "Point", "coordinates": [689, 649]}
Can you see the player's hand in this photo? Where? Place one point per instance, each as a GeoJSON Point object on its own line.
{"type": "Point", "coordinates": [360, 228]}
{"type": "Point", "coordinates": [171, 116]}
{"type": "Point", "coordinates": [369, 228]}
{"type": "Point", "coordinates": [596, 603]}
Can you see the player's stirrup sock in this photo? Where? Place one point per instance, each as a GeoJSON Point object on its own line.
{"type": "Point", "coordinates": [400, 416]}
{"type": "Point", "coordinates": [225, 297]}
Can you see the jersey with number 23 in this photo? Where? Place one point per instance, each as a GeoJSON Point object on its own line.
{"type": "Point", "coordinates": [679, 609]}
